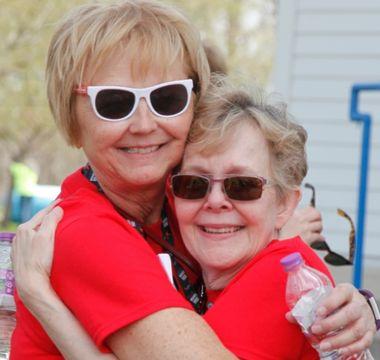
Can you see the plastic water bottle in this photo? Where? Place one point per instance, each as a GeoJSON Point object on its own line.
{"type": "Point", "coordinates": [7, 305]}
{"type": "Point", "coordinates": [305, 289]}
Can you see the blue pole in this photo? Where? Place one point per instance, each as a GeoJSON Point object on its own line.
{"type": "Point", "coordinates": [365, 154]}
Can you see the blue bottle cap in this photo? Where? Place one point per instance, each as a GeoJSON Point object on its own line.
{"type": "Point", "coordinates": [290, 261]}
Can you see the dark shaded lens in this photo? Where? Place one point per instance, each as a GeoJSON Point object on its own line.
{"type": "Point", "coordinates": [320, 245]}
{"type": "Point", "coordinates": [169, 100]}
{"type": "Point", "coordinates": [333, 258]}
{"type": "Point", "coordinates": [243, 187]}
{"type": "Point", "coordinates": [114, 104]}
{"type": "Point", "coordinates": [189, 186]}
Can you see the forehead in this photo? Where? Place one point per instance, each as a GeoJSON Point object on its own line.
{"type": "Point", "coordinates": [136, 62]}
{"type": "Point", "coordinates": [245, 151]}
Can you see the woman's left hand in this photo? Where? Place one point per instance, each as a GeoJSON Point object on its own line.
{"type": "Point", "coordinates": [346, 312]}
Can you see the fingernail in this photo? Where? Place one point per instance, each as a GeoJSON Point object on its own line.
{"type": "Point", "coordinates": [325, 346]}
{"type": "Point", "coordinates": [316, 329]}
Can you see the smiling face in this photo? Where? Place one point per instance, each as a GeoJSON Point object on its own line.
{"type": "Point", "coordinates": [138, 152]}
{"type": "Point", "coordinates": [223, 234]}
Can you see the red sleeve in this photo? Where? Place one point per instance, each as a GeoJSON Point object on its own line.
{"type": "Point", "coordinates": [106, 273]}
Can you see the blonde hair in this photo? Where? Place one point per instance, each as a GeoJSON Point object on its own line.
{"type": "Point", "coordinates": [156, 36]}
{"type": "Point", "coordinates": [225, 107]}
{"type": "Point", "coordinates": [216, 58]}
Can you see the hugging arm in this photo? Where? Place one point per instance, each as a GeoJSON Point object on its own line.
{"type": "Point", "coordinates": [346, 315]}
{"type": "Point", "coordinates": [166, 334]}
{"type": "Point", "coordinates": [32, 257]}
{"type": "Point", "coordinates": [346, 311]}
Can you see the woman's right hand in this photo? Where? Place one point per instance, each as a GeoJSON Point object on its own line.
{"type": "Point", "coordinates": [305, 222]}
{"type": "Point", "coordinates": [32, 252]}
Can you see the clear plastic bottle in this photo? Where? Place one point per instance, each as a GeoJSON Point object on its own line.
{"type": "Point", "coordinates": [7, 305]}
{"type": "Point", "coordinates": [305, 289]}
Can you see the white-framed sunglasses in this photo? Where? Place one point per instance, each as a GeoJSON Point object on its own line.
{"type": "Point", "coordinates": [117, 103]}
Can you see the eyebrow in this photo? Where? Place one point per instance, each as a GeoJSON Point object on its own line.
{"type": "Point", "coordinates": [237, 169]}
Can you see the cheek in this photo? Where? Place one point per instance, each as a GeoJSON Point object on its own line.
{"type": "Point", "coordinates": [251, 212]}
{"type": "Point", "coordinates": [259, 217]}
{"type": "Point", "coordinates": [181, 127]}
{"type": "Point", "coordinates": [186, 212]}
{"type": "Point", "coordinates": [97, 137]}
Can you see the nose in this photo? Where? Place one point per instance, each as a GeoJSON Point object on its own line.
{"type": "Point", "coordinates": [143, 121]}
{"type": "Point", "coordinates": [216, 199]}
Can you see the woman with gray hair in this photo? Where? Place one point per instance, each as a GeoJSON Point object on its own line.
{"type": "Point", "coordinates": [237, 186]}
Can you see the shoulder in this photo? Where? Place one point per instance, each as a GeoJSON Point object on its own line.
{"type": "Point", "coordinates": [265, 268]}
{"type": "Point", "coordinates": [74, 182]}
{"type": "Point", "coordinates": [91, 225]}
{"type": "Point", "coordinates": [82, 201]}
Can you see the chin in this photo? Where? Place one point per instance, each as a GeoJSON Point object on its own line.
{"type": "Point", "coordinates": [222, 262]}
{"type": "Point", "coordinates": [147, 176]}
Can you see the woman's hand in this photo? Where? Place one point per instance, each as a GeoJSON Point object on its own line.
{"type": "Point", "coordinates": [346, 312]}
{"type": "Point", "coordinates": [305, 222]}
{"type": "Point", "coordinates": [32, 251]}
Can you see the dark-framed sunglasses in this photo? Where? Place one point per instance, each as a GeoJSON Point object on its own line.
{"type": "Point", "coordinates": [117, 103]}
{"type": "Point", "coordinates": [235, 187]}
{"type": "Point", "coordinates": [332, 257]}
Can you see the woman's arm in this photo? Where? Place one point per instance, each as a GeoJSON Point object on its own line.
{"type": "Point", "coordinates": [36, 293]}
{"type": "Point", "coordinates": [167, 334]}
{"type": "Point", "coordinates": [347, 313]}
{"type": "Point", "coordinates": [170, 334]}
{"type": "Point", "coordinates": [62, 327]}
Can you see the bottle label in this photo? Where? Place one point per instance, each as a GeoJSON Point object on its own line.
{"type": "Point", "coordinates": [305, 313]}
{"type": "Point", "coordinates": [305, 309]}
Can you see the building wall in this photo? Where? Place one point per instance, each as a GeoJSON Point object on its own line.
{"type": "Point", "coordinates": [324, 47]}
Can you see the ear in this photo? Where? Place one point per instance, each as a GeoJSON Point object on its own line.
{"type": "Point", "coordinates": [287, 206]}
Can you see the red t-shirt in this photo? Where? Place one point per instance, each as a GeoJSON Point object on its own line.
{"type": "Point", "coordinates": [101, 269]}
{"type": "Point", "coordinates": [249, 314]}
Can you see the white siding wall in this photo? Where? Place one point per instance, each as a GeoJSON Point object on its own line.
{"type": "Point", "coordinates": [325, 46]}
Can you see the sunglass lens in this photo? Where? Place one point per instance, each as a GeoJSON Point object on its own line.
{"type": "Point", "coordinates": [169, 100]}
{"type": "Point", "coordinates": [114, 104]}
{"type": "Point", "coordinates": [189, 186]}
{"type": "Point", "coordinates": [333, 258]}
{"type": "Point", "coordinates": [320, 245]}
{"type": "Point", "coordinates": [243, 187]}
